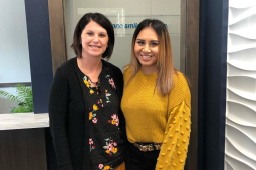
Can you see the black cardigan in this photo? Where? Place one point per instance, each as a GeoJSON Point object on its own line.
{"type": "Point", "coordinates": [67, 119]}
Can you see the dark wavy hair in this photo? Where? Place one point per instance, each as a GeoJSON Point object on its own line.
{"type": "Point", "coordinates": [103, 21]}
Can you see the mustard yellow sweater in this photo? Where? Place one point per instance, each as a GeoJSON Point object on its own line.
{"type": "Point", "coordinates": [151, 117]}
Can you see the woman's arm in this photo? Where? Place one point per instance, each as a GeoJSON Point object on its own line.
{"type": "Point", "coordinates": [175, 145]}
{"type": "Point", "coordinates": [177, 132]}
{"type": "Point", "coordinates": [58, 114]}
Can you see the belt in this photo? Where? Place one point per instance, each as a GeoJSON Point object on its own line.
{"type": "Point", "coordinates": [145, 147]}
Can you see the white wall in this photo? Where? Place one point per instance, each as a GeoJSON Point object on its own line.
{"type": "Point", "coordinates": [126, 12]}
{"type": "Point", "coordinates": [240, 152]}
{"type": "Point", "coordinates": [14, 55]}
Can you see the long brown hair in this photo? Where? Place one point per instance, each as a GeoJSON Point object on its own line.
{"type": "Point", "coordinates": [165, 66]}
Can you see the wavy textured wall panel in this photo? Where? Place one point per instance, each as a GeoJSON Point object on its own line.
{"type": "Point", "coordinates": [240, 143]}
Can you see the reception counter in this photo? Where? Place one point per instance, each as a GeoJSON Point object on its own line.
{"type": "Point", "coordinates": [22, 141]}
{"type": "Point", "coordinates": [12, 121]}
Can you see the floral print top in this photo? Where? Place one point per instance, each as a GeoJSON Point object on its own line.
{"type": "Point", "coordinates": [104, 106]}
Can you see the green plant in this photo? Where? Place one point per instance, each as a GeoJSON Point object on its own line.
{"type": "Point", "coordinates": [24, 99]}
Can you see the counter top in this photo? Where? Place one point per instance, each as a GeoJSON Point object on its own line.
{"type": "Point", "coordinates": [11, 121]}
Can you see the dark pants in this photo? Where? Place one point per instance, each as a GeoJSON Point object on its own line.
{"type": "Point", "coordinates": [139, 160]}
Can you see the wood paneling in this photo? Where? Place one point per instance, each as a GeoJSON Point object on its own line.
{"type": "Point", "coordinates": [57, 33]}
{"type": "Point", "coordinates": [22, 149]}
{"type": "Point", "coordinates": [190, 65]}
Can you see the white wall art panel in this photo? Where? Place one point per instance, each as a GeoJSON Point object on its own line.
{"type": "Point", "coordinates": [240, 143]}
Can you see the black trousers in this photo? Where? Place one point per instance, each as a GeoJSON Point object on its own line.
{"type": "Point", "coordinates": [139, 160]}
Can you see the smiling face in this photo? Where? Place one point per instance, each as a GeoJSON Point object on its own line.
{"type": "Point", "coordinates": [146, 49]}
{"type": "Point", "coordinates": [94, 40]}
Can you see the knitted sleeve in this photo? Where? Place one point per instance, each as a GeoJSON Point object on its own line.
{"type": "Point", "coordinates": [175, 145]}
{"type": "Point", "coordinates": [118, 78]}
{"type": "Point", "coordinates": [58, 112]}
{"type": "Point", "coordinates": [177, 133]}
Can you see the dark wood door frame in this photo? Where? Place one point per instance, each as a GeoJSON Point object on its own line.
{"type": "Point", "coordinates": [57, 33]}
{"type": "Point", "coordinates": [189, 57]}
{"type": "Point", "coordinates": [190, 65]}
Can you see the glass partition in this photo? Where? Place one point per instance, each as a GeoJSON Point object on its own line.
{"type": "Point", "coordinates": [14, 55]}
{"type": "Point", "coordinates": [124, 18]}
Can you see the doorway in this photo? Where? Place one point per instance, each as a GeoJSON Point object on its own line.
{"type": "Point", "coordinates": [185, 35]}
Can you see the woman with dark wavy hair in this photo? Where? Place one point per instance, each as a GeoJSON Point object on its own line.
{"type": "Point", "coordinates": [86, 122]}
